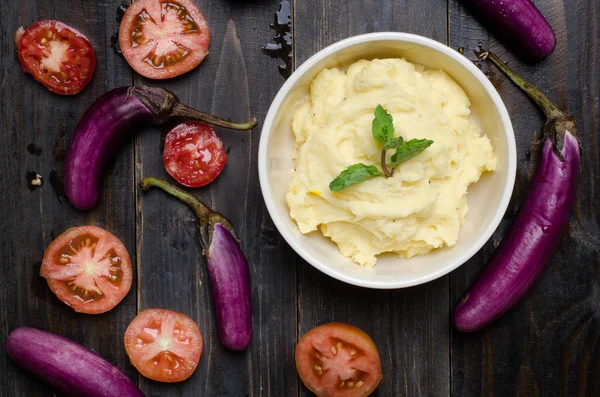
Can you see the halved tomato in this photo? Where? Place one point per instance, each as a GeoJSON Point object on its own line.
{"type": "Point", "coordinates": [161, 39]}
{"type": "Point", "coordinates": [164, 345]}
{"type": "Point", "coordinates": [194, 154]}
{"type": "Point", "coordinates": [87, 268]}
{"type": "Point", "coordinates": [57, 55]}
{"type": "Point", "coordinates": [338, 360]}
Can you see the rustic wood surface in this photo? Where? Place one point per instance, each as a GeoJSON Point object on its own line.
{"type": "Point", "coordinates": [549, 345]}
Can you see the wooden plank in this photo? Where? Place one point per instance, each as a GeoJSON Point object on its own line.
{"type": "Point", "coordinates": [548, 345]}
{"type": "Point", "coordinates": [29, 114]}
{"type": "Point", "coordinates": [236, 80]}
{"type": "Point", "coordinates": [410, 326]}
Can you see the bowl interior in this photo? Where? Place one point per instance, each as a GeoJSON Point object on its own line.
{"type": "Point", "coordinates": [487, 199]}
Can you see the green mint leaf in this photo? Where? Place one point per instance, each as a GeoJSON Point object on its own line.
{"type": "Point", "coordinates": [394, 143]}
{"type": "Point", "coordinates": [354, 174]}
{"type": "Point", "coordinates": [383, 126]}
{"type": "Point", "coordinates": [409, 150]}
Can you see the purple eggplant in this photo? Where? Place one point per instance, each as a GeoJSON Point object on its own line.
{"type": "Point", "coordinates": [67, 366]}
{"type": "Point", "coordinates": [542, 220]}
{"type": "Point", "coordinates": [114, 116]}
{"type": "Point", "coordinates": [519, 23]}
{"type": "Point", "coordinates": [227, 268]}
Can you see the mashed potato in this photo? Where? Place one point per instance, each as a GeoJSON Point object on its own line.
{"type": "Point", "coordinates": [423, 206]}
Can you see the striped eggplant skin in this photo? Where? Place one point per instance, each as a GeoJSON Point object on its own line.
{"type": "Point", "coordinates": [519, 23]}
{"type": "Point", "coordinates": [531, 241]}
{"type": "Point", "coordinates": [230, 284]}
{"type": "Point", "coordinates": [67, 366]}
{"type": "Point", "coordinates": [100, 132]}
{"type": "Point", "coordinates": [542, 221]}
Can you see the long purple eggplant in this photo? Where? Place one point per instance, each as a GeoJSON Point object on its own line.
{"type": "Point", "coordinates": [542, 220]}
{"type": "Point", "coordinates": [67, 366]}
{"type": "Point", "coordinates": [114, 116]}
{"type": "Point", "coordinates": [227, 268]}
{"type": "Point", "coordinates": [519, 23]}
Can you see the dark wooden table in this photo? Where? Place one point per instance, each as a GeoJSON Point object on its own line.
{"type": "Point", "coordinates": [549, 345]}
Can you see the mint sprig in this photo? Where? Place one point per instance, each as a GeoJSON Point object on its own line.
{"type": "Point", "coordinates": [354, 174]}
{"type": "Point", "coordinates": [409, 150]}
{"type": "Point", "coordinates": [383, 126]}
{"type": "Point", "coordinates": [383, 133]}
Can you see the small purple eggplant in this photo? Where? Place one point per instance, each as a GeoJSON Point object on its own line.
{"type": "Point", "coordinates": [69, 367]}
{"type": "Point", "coordinates": [114, 116]}
{"type": "Point", "coordinates": [542, 221]}
{"type": "Point", "coordinates": [227, 267]}
{"type": "Point", "coordinates": [519, 23]}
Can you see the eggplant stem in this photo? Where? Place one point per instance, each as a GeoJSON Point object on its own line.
{"type": "Point", "coordinates": [548, 107]}
{"type": "Point", "coordinates": [207, 218]}
{"type": "Point", "coordinates": [201, 210]}
{"type": "Point", "coordinates": [386, 170]}
{"type": "Point", "coordinates": [182, 110]}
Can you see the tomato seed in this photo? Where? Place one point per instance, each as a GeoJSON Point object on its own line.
{"type": "Point", "coordinates": [352, 352]}
{"type": "Point", "coordinates": [342, 384]}
{"type": "Point", "coordinates": [333, 350]}
{"type": "Point", "coordinates": [350, 384]}
{"type": "Point", "coordinates": [157, 61]}
{"type": "Point", "coordinates": [359, 384]}
{"type": "Point", "coordinates": [64, 260]}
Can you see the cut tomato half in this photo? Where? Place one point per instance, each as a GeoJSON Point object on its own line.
{"type": "Point", "coordinates": [338, 360]}
{"type": "Point", "coordinates": [164, 345]}
{"type": "Point", "coordinates": [163, 39]}
{"type": "Point", "coordinates": [88, 268]}
{"type": "Point", "coordinates": [194, 154]}
{"type": "Point", "coordinates": [56, 55]}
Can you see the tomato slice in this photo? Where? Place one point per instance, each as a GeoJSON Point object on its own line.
{"type": "Point", "coordinates": [338, 360]}
{"type": "Point", "coordinates": [194, 154]}
{"type": "Point", "coordinates": [161, 39]}
{"type": "Point", "coordinates": [164, 345]}
{"type": "Point", "coordinates": [88, 269]}
{"type": "Point", "coordinates": [56, 55]}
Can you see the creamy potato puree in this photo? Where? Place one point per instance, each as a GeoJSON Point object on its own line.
{"type": "Point", "coordinates": [423, 206]}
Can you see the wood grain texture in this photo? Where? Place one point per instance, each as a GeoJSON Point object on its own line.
{"type": "Point", "coordinates": [32, 219]}
{"type": "Point", "coordinates": [410, 326]}
{"type": "Point", "coordinates": [549, 344]}
{"type": "Point", "coordinates": [235, 81]}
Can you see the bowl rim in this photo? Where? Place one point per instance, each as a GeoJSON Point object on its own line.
{"type": "Point", "coordinates": [387, 36]}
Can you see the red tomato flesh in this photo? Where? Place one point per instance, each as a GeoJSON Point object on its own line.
{"type": "Point", "coordinates": [88, 268]}
{"type": "Point", "coordinates": [194, 154]}
{"type": "Point", "coordinates": [338, 360]}
{"type": "Point", "coordinates": [56, 55]}
{"type": "Point", "coordinates": [164, 345]}
{"type": "Point", "coordinates": [163, 39]}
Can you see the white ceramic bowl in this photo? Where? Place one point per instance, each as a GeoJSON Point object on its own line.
{"type": "Point", "coordinates": [487, 200]}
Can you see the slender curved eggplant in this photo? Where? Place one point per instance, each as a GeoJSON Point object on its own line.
{"type": "Point", "coordinates": [114, 116]}
{"type": "Point", "coordinates": [542, 220]}
{"type": "Point", "coordinates": [227, 268]}
{"type": "Point", "coordinates": [519, 23]}
{"type": "Point", "coordinates": [69, 367]}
